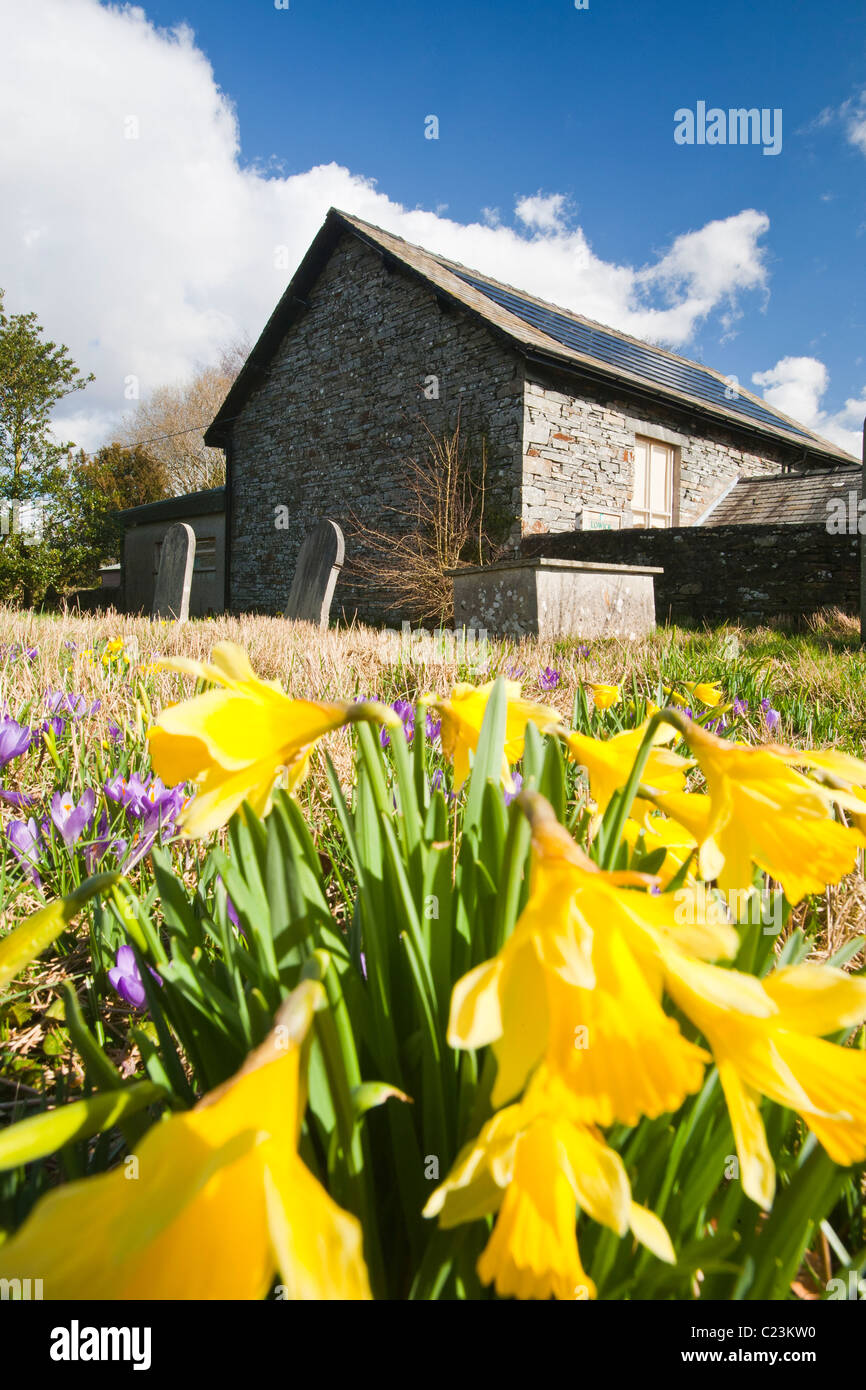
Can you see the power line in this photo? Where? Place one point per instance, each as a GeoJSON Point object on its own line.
{"type": "Point", "coordinates": [194, 429]}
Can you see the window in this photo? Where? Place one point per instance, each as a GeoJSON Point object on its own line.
{"type": "Point", "coordinates": [652, 502]}
{"type": "Point", "coordinates": [205, 555]}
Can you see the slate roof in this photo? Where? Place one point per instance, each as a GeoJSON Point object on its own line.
{"type": "Point", "coordinates": [541, 332]}
{"type": "Point", "coordinates": [795, 498]}
{"type": "Point", "coordinates": [204, 503]}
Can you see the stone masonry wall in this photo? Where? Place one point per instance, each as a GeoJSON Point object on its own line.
{"type": "Point", "coordinates": [341, 409]}
{"type": "Point", "coordinates": [578, 452]}
{"type": "Point", "coordinates": [727, 573]}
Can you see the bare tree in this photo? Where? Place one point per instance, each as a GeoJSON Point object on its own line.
{"type": "Point", "coordinates": [171, 421]}
{"type": "Point", "coordinates": [440, 527]}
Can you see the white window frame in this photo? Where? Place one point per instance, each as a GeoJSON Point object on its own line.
{"type": "Point", "coordinates": [644, 514]}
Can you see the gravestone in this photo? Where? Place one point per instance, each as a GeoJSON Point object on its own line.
{"type": "Point", "coordinates": [319, 562]}
{"type": "Point", "coordinates": [174, 579]}
{"type": "Point", "coordinates": [555, 598]}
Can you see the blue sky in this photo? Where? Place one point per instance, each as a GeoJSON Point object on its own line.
{"type": "Point", "coordinates": [546, 99]}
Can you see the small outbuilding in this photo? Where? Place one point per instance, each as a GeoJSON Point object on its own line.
{"type": "Point", "coordinates": [144, 530]}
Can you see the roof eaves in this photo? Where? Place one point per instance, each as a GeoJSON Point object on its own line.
{"type": "Point", "coordinates": [531, 343]}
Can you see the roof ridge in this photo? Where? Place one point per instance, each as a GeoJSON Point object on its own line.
{"type": "Point", "coordinates": [457, 267]}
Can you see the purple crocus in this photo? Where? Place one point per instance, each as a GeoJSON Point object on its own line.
{"type": "Point", "coordinates": [549, 679]}
{"type": "Point", "coordinates": [20, 800]}
{"type": "Point", "coordinates": [406, 712]}
{"type": "Point", "coordinates": [15, 739]}
{"type": "Point", "coordinates": [151, 809]}
{"type": "Point", "coordinates": [72, 820]}
{"type": "Point", "coordinates": [122, 789]}
{"type": "Point", "coordinates": [434, 726]}
{"type": "Point", "coordinates": [64, 702]}
{"type": "Point", "coordinates": [509, 796]}
{"type": "Point", "coordinates": [103, 844]}
{"type": "Point", "coordinates": [55, 725]}
{"type": "Point", "coordinates": [14, 651]}
{"type": "Point", "coordinates": [125, 976]}
{"type": "Point", "coordinates": [26, 841]}
{"type": "Point", "coordinates": [772, 717]}
{"type": "Point", "coordinates": [161, 804]}
{"type": "Point", "coordinates": [145, 796]}
{"type": "Point", "coordinates": [740, 707]}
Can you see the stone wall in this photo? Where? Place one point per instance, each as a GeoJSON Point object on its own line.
{"type": "Point", "coordinates": [727, 573]}
{"type": "Point", "coordinates": [578, 452]}
{"type": "Point", "coordinates": [341, 409]}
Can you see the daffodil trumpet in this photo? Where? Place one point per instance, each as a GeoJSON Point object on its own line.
{"type": "Point", "coordinates": [220, 1204]}
{"type": "Point", "coordinates": [235, 741]}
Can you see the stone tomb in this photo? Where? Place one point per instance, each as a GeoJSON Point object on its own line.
{"type": "Point", "coordinates": [319, 563]}
{"type": "Point", "coordinates": [555, 598]}
{"type": "Point", "coordinates": [174, 579]}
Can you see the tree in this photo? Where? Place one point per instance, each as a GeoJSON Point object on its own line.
{"type": "Point", "coordinates": [443, 524]}
{"type": "Point", "coordinates": [104, 484]}
{"type": "Point", "coordinates": [171, 421]}
{"type": "Point", "coordinates": [35, 375]}
{"type": "Point", "coordinates": [123, 477]}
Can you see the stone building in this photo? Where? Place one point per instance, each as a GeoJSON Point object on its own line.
{"type": "Point", "coordinates": [143, 530]}
{"type": "Point", "coordinates": [375, 342]}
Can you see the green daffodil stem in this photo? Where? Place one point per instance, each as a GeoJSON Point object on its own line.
{"type": "Point", "coordinates": [333, 1028]}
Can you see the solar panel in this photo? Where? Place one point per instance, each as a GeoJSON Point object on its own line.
{"type": "Point", "coordinates": [631, 357]}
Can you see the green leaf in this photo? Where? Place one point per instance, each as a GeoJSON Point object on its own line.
{"type": "Point", "coordinates": [371, 1094]}
{"type": "Point", "coordinates": [36, 934]}
{"type": "Point", "coordinates": [487, 764]}
{"type": "Point", "coordinates": [45, 1134]}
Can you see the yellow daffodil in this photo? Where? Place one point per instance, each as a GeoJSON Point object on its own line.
{"type": "Point", "coordinates": [604, 695]}
{"type": "Point", "coordinates": [579, 981]}
{"type": "Point", "coordinates": [764, 812]}
{"type": "Point", "coordinates": [217, 1201]}
{"type": "Point", "coordinates": [706, 691]}
{"type": "Point", "coordinates": [693, 813]}
{"type": "Point", "coordinates": [463, 713]}
{"type": "Point", "coordinates": [842, 774]}
{"type": "Point", "coordinates": [609, 761]}
{"type": "Point", "coordinates": [767, 1038]}
{"type": "Point", "coordinates": [536, 1165]}
{"type": "Point", "coordinates": [660, 832]}
{"type": "Point", "coordinates": [233, 741]}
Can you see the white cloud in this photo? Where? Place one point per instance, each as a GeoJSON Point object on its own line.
{"type": "Point", "coordinates": [797, 385]}
{"type": "Point", "coordinates": [146, 254]}
{"type": "Point", "coordinates": [542, 212]}
{"type": "Point", "coordinates": [854, 116]}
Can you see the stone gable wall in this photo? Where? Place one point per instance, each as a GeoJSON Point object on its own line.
{"type": "Point", "coordinates": [578, 452]}
{"type": "Point", "coordinates": [343, 406]}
